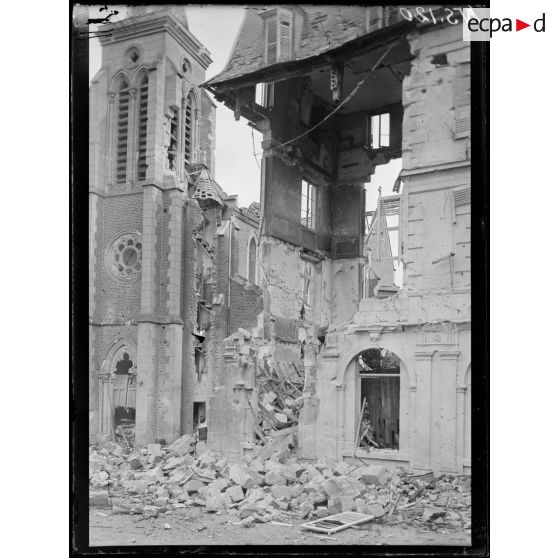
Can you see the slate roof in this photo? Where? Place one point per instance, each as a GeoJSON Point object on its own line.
{"type": "Point", "coordinates": [324, 28]}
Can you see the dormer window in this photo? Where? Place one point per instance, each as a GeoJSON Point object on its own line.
{"type": "Point", "coordinates": [278, 35]}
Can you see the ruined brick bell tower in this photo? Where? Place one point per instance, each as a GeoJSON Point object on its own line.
{"type": "Point", "coordinates": [149, 125]}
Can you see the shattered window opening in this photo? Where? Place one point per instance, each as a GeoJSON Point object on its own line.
{"type": "Point", "coordinates": [379, 378]}
{"type": "Point", "coordinates": [308, 205]}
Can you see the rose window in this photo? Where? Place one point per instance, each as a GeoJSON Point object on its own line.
{"type": "Point", "coordinates": [124, 257]}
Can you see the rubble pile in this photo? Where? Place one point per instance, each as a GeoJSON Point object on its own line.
{"type": "Point", "coordinates": [280, 386]}
{"type": "Point", "coordinates": [271, 484]}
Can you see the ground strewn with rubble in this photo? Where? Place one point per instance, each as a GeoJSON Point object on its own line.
{"type": "Point", "coordinates": [183, 494]}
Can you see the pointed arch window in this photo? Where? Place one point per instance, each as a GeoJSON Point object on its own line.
{"type": "Point", "coordinates": [122, 121]}
{"type": "Point", "coordinates": [252, 261]}
{"type": "Point", "coordinates": [189, 131]}
{"type": "Point", "coordinates": [142, 128]}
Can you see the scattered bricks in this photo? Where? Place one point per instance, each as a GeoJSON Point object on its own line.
{"type": "Point", "coordinates": [99, 499]}
{"type": "Point", "coordinates": [270, 396]}
{"type": "Point", "coordinates": [219, 485]}
{"type": "Point", "coordinates": [374, 474]}
{"type": "Point", "coordinates": [154, 449]}
{"type": "Point", "coordinates": [247, 511]}
{"type": "Point", "coordinates": [193, 486]}
{"type": "Point", "coordinates": [318, 498]}
{"type": "Point", "coordinates": [161, 493]}
{"type": "Point", "coordinates": [235, 493]}
{"type": "Point", "coordinates": [183, 445]}
{"type": "Point", "coordinates": [248, 521]}
{"type": "Point", "coordinates": [255, 494]}
{"type": "Point", "coordinates": [136, 464]}
{"type": "Point", "coordinates": [334, 505]}
{"type": "Point", "coordinates": [215, 502]}
{"type": "Point", "coordinates": [330, 487]}
{"type": "Point", "coordinates": [315, 483]}
{"type": "Point", "coordinates": [311, 471]}
{"type": "Point", "coordinates": [284, 505]}
{"type": "Point", "coordinates": [273, 478]}
{"type": "Point", "coordinates": [342, 469]}
{"type": "Point", "coordinates": [240, 476]}
{"type": "Point", "coordinates": [347, 503]}
{"type": "Point", "coordinates": [244, 332]}
{"type": "Point", "coordinates": [303, 478]}
{"type": "Point", "coordinates": [136, 486]}
{"type": "Point", "coordinates": [281, 492]}
{"type": "Point", "coordinates": [175, 462]}
{"type": "Point", "coordinates": [154, 459]}
{"type": "Point", "coordinates": [206, 459]}
{"type": "Point", "coordinates": [430, 514]}
{"type": "Point", "coordinates": [296, 490]}
{"type": "Point", "coordinates": [161, 501]}
{"type": "Point", "coordinates": [257, 465]}
{"type": "Point", "coordinates": [306, 507]}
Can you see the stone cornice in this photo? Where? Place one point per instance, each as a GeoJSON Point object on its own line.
{"type": "Point", "coordinates": [149, 24]}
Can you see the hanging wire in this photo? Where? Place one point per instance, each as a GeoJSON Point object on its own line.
{"type": "Point", "coordinates": [338, 107]}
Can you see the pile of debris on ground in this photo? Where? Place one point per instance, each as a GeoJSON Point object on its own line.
{"type": "Point", "coordinates": [280, 386]}
{"type": "Point", "coordinates": [270, 485]}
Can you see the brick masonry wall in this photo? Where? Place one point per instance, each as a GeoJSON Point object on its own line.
{"type": "Point", "coordinates": [246, 304]}
{"type": "Point", "coordinates": [114, 299]}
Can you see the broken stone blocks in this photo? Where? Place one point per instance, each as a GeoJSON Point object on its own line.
{"type": "Point", "coordinates": [235, 493]}
{"type": "Point", "coordinates": [239, 476]}
{"type": "Point", "coordinates": [374, 474]}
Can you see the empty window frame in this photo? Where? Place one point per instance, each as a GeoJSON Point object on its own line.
{"type": "Point", "coordinates": [380, 381]}
{"type": "Point", "coordinates": [252, 261]}
{"type": "Point", "coordinates": [379, 130]}
{"type": "Point", "coordinates": [308, 205]}
{"type": "Point", "coordinates": [142, 129]}
{"type": "Point", "coordinates": [122, 120]}
{"type": "Point", "coordinates": [199, 423]}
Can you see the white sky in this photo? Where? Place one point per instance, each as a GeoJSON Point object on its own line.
{"type": "Point", "coordinates": [236, 169]}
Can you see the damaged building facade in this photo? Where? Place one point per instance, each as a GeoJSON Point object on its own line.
{"type": "Point", "coordinates": [172, 257]}
{"type": "Point", "coordinates": [336, 92]}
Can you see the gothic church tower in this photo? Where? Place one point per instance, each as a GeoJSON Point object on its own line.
{"type": "Point", "coordinates": [150, 125]}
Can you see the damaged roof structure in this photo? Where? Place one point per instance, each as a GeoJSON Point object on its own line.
{"type": "Point", "coordinates": [338, 91]}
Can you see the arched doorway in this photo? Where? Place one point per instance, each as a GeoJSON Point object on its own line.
{"type": "Point", "coordinates": [379, 388]}
{"type": "Point", "coordinates": [117, 385]}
